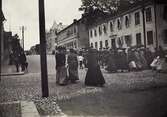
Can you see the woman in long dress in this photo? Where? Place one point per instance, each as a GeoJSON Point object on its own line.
{"type": "Point", "coordinates": [94, 75]}
{"type": "Point", "coordinates": [61, 72]}
{"type": "Point", "coordinates": [72, 66]}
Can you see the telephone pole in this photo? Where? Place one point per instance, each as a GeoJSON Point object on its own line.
{"type": "Point", "coordinates": [23, 28]}
{"type": "Point", "coordinates": [144, 25]}
{"type": "Point", "coordinates": [0, 36]}
{"type": "Point", "coordinates": [44, 73]}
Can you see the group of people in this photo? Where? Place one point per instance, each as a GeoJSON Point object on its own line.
{"type": "Point", "coordinates": [130, 59]}
{"type": "Point", "coordinates": [18, 58]}
{"type": "Point", "coordinates": [113, 60]}
{"type": "Point", "coordinates": [67, 67]}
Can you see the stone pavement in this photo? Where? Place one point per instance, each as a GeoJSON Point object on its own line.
{"type": "Point", "coordinates": [28, 88]}
{"type": "Point", "coordinates": [7, 70]}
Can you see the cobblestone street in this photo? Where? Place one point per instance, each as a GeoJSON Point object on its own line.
{"type": "Point", "coordinates": [121, 89]}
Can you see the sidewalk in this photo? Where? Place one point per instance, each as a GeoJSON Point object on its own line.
{"type": "Point", "coordinates": [123, 94]}
{"type": "Point", "coordinates": [7, 70]}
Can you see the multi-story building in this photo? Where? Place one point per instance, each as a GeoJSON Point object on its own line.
{"type": "Point", "coordinates": [74, 36]}
{"type": "Point", "coordinates": [141, 23]}
{"type": "Point", "coordinates": [51, 36]}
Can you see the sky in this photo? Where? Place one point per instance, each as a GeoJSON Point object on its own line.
{"type": "Point", "coordinates": [25, 13]}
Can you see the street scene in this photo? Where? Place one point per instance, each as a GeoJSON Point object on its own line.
{"type": "Point", "coordinates": [107, 59]}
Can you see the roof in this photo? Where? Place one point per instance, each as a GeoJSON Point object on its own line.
{"type": "Point", "coordinates": [125, 7]}
{"type": "Point", "coordinates": [74, 22]}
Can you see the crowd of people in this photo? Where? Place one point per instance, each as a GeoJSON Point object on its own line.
{"type": "Point", "coordinates": [67, 64]}
{"type": "Point", "coordinates": [132, 59]}
{"type": "Point", "coordinates": [112, 60]}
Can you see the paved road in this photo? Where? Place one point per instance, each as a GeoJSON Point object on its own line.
{"type": "Point", "coordinates": [133, 94]}
{"type": "Point", "coordinates": [34, 64]}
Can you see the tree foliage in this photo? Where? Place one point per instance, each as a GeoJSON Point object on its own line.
{"type": "Point", "coordinates": [94, 9]}
{"type": "Point", "coordinates": [102, 5]}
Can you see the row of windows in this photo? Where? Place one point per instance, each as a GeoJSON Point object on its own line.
{"type": "Point", "coordinates": [119, 22]}
{"type": "Point", "coordinates": [127, 39]}
{"type": "Point", "coordinates": [71, 31]}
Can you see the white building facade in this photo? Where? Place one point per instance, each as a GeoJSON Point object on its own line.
{"type": "Point", "coordinates": [127, 28]}
{"type": "Point", "coordinates": [74, 36]}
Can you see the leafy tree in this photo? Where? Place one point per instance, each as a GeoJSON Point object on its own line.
{"type": "Point", "coordinates": [98, 9]}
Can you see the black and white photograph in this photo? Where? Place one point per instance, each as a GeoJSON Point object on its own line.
{"type": "Point", "coordinates": [83, 58]}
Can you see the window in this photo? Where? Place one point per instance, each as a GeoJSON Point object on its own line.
{"type": "Point", "coordinates": [104, 29]}
{"type": "Point", "coordinates": [91, 33]}
{"type": "Point", "coordinates": [138, 39]}
{"type": "Point", "coordinates": [127, 21]}
{"type": "Point", "coordinates": [100, 31]}
{"type": "Point", "coordinates": [119, 24]}
{"type": "Point", "coordinates": [75, 44]}
{"type": "Point", "coordinates": [111, 26]}
{"type": "Point", "coordinates": [150, 37]}
{"type": "Point", "coordinates": [91, 45]}
{"type": "Point", "coordinates": [128, 40]}
{"type": "Point", "coordinates": [95, 32]}
{"type": "Point", "coordinates": [96, 45]}
{"type": "Point", "coordinates": [165, 36]}
{"type": "Point", "coordinates": [148, 15]}
{"type": "Point", "coordinates": [113, 43]}
{"type": "Point", "coordinates": [106, 43]}
{"type": "Point", "coordinates": [120, 42]}
{"type": "Point", "coordinates": [137, 18]}
{"type": "Point", "coordinates": [164, 13]}
{"type": "Point", "coordinates": [101, 44]}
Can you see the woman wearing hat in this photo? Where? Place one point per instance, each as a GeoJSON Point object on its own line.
{"type": "Point", "coordinates": [61, 71]}
{"type": "Point", "coordinates": [94, 76]}
{"type": "Point", "coordinates": [73, 66]}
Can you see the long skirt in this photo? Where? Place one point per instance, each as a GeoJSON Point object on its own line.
{"type": "Point", "coordinates": [61, 75]}
{"type": "Point", "coordinates": [73, 74]}
{"type": "Point", "coordinates": [94, 77]}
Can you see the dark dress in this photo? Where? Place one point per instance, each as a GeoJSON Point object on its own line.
{"type": "Point", "coordinates": [61, 72]}
{"type": "Point", "coordinates": [73, 67]}
{"type": "Point", "coordinates": [94, 75]}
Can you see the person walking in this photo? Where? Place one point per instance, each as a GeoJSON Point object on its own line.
{"type": "Point", "coordinates": [72, 66]}
{"type": "Point", "coordinates": [61, 71]}
{"type": "Point", "coordinates": [80, 59]}
{"type": "Point", "coordinates": [94, 76]}
{"type": "Point", "coordinates": [22, 59]}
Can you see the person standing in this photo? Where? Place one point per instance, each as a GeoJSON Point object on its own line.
{"type": "Point", "coordinates": [72, 66]}
{"type": "Point", "coordinates": [22, 59]}
{"type": "Point", "coordinates": [94, 75]}
{"type": "Point", "coordinates": [80, 59]}
{"type": "Point", "coordinates": [61, 71]}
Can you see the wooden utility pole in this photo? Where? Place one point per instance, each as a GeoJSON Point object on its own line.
{"type": "Point", "coordinates": [0, 35]}
{"type": "Point", "coordinates": [156, 32]}
{"type": "Point", "coordinates": [23, 35]}
{"type": "Point", "coordinates": [44, 73]}
{"type": "Point", "coordinates": [144, 25]}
